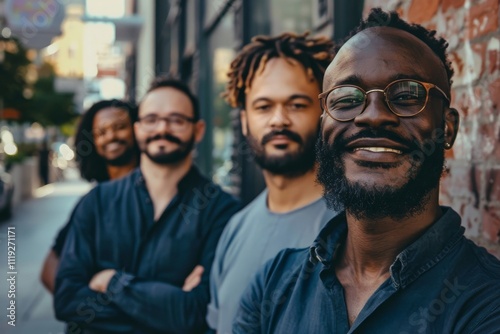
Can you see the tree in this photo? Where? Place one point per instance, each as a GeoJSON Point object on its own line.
{"type": "Point", "coordinates": [14, 64]}
{"type": "Point", "coordinates": [47, 106]}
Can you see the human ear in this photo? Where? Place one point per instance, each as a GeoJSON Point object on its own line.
{"type": "Point", "coordinates": [200, 127]}
{"type": "Point", "coordinates": [451, 124]}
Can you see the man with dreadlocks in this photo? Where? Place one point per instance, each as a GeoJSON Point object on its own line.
{"type": "Point", "coordinates": [105, 150]}
{"type": "Point", "coordinates": [276, 81]}
{"type": "Point", "coordinates": [394, 261]}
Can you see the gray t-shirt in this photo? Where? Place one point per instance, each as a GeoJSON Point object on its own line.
{"type": "Point", "coordinates": [252, 237]}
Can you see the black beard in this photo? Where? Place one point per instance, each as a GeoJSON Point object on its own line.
{"type": "Point", "coordinates": [123, 159]}
{"type": "Point", "coordinates": [172, 157]}
{"type": "Point", "coordinates": [377, 202]}
{"type": "Point", "coordinates": [291, 164]}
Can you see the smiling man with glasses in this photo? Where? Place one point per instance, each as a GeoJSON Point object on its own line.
{"type": "Point", "coordinates": [394, 261]}
{"type": "Point", "coordinates": [139, 250]}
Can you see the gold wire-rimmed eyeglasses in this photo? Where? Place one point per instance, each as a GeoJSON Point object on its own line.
{"type": "Point", "coordinates": [405, 98]}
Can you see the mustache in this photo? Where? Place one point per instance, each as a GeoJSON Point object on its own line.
{"type": "Point", "coordinates": [284, 132]}
{"type": "Point", "coordinates": [165, 136]}
{"type": "Point", "coordinates": [341, 142]}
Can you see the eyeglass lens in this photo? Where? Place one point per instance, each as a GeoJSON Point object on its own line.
{"type": "Point", "coordinates": [174, 122]}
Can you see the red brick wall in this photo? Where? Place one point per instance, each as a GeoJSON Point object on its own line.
{"type": "Point", "coordinates": [472, 185]}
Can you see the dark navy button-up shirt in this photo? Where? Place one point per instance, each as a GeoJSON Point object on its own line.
{"type": "Point", "coordinates": [113, 227]}
{"type": "Point", "coordinates": [441, 283]}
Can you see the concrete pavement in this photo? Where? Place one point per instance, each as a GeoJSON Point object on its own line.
{"type": "Point", "coordinates": [35, 223]}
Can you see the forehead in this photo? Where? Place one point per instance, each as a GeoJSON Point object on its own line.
{"type": "Point", "coordinates": [166, 100]}
{"type": "Point", "coordinates": [110, 115]}
{"type": "Point", "coordinates": [380, 54]}
{"type": "Point", "coordinates": [280, 79]}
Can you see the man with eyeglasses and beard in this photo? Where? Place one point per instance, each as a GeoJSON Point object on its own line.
{"type": "Point", "coordinates": [133, 242]}
{"type": "Point", "coordinates": [394, 261]}
{"type": "Point", "coordinates": [276, 81]}
{"type": "Point", "coordinates": [105, 150]}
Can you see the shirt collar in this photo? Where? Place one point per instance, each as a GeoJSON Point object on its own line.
{"type": "Point", "coordinates": [412, 262]}
{"type": "Point", "coordinates": [328, 241]}
{"type": "Point", "coordinates": [428, 249]}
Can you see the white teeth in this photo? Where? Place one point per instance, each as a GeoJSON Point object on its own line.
{"type": "Point", "coordinates": [378, 149]}
{"type": "Point", "coordinates": [112, 146]}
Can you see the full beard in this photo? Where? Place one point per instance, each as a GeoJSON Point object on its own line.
{"type": "Point", "coordinates": [377, 202]}
{"type": "Point", "coordinates": [292, 164]}
{"type": "Point", "coordinates": [165, 158]}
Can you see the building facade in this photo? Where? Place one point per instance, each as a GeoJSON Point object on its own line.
{"type": "Point", "coordinates": [472, 182]}
{"type": "Point", "coordinates": [196, 40]}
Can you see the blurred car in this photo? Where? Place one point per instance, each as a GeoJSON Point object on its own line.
{"type": "Point", "coordinates": [6, 193]}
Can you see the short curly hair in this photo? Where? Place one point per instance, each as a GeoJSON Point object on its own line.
{"type": "Point", "coordinates": [314, 53]}
{"type": "Point", "coordinates": [379, 18]}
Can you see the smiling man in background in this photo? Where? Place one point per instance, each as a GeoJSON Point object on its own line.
{"type": "Point", "coordinates": [105, 150]}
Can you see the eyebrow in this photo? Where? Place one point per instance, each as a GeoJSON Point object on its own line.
{"type": "Point", "coordinates": [175, 113]}
{"type": "Point", "coordinates": [357, 80]}
{"type": "Point", "coordinates": [292, 97]}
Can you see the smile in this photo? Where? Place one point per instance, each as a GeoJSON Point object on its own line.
{"type": "Point", "coordinates": [113, 146]}
{"type": "Point", "coordinates": [378, 150]}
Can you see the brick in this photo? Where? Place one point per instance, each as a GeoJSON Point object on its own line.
{"type": "Point", "coordinates": [483, 18]}
{"type": "Point", "coordinates": [458, 67]}
{"type": "Point", "coordinates": [384, 4]}
{"type": "Point", "coordinates": [468, 63]}
{"type": "Point", "coordinates": [452, 27]}
{"type": "Point", "coordinates": [486, 143]}
{"type": "Point", "coordinates": [494, 90]}
{"type": "Point", "coordinates": [447, 4]}
{"type": "Point", "coordinates": [457, 190]}
{"type": "Point", "coordinates": [466, 103]}
{"type": "Point", "coordinates": [422, 11]}
{"type": "Point", "coordinates": [471, 220]}
{"type": "Point", "coordinates": [491, 224]}
{"type": "Point", "coordinates": [480, 50]}
{"type": "Point", "coordinates": [466, 144]}
{"type": "Point", "coordinates": [492, 187]}
{"type": "Point", "coordinates": [456, 184]}
{"type": "Point", "coordinates": [493, 51]}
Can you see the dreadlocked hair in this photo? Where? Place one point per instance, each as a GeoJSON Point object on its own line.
{"type": "Point", "coordinates": [379, 18]}
{"type": "Point", "coordinates": [314, 53]}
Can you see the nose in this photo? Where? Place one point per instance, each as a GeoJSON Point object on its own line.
{"type": "Point", "coordinates": [376, 112]}
{"type": "Point", "coordinates": [109, 135]}
{"type": "Point", "coordinates": [279, 117]}
{"type": "Point", "coordinates": [162, 125]}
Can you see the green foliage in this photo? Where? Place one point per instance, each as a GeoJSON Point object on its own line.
{"type": "Point", "coordinates": [46, 106]}
{"type": "Point", "coordinates": [13, 67]}
{"type": "Point", "coordinates": [49, 107]}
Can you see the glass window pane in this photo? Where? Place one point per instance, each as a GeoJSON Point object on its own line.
{"type": "Point", "coordinates": [291, 15]}
{"type": "Point", "coordinates": [222, 43]}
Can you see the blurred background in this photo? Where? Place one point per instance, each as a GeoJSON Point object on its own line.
{"type": "Point", "coordinates": [57, 57]}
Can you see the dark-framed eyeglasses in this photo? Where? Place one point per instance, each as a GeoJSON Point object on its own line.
{"type": "Point", "coordinates": [405, 98]}
{"type": "Point", "coordinates": [175, 122]}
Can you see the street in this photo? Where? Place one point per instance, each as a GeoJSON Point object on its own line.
{"type": "Point", "coordinates": [32, 229]}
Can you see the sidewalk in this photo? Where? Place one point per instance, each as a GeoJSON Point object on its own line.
{"type": "Point", "coordinates": [36, 223]}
